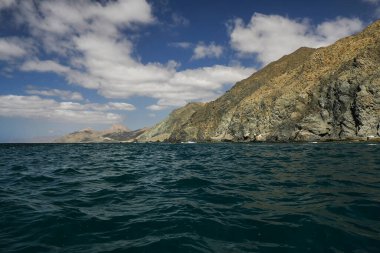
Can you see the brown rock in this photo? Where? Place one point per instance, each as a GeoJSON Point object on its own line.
{"type": "Point", "coordinates": [329, 93]}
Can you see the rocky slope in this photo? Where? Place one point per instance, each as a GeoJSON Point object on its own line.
{"type": "Point", "coordinates": [117, 133]}
{"type": "Point", "coordinates": [330, 93]}
{"type": "Point", "coordinates": [176, 120]}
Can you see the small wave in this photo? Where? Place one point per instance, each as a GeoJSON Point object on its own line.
{"type": "Point", "coordinates": [121, 178]}
{"type": "Point", "coordinates": [38, 179]}
{"type": "Point", "coordinates": [192, 182]}
{"type": "Point", "coordinates": [190, 198]}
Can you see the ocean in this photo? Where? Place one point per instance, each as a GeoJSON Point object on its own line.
{"type": "Point", "coordinates": [286, 197]}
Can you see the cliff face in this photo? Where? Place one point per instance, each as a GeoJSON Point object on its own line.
{"type": "Point", "coordinates": [163, 130]}
{"type": "Point", "coordinates": [330, 93]}
{"type": "Point", "coordinates": [117, 133]}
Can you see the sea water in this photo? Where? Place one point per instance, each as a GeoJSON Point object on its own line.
{"type": "Point", "coordinates": [312, 197]}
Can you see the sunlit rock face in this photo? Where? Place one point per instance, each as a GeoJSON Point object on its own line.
{"type": "Point", "coordinates": [330, 93]}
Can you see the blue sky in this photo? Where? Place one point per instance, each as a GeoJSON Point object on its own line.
{"type": "Point", "coordinates": [67, 65]}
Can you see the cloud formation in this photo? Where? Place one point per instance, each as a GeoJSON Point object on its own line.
{"type": "Point", "coordinates": [90, 45]}
{"type": "Point", "coordinates": [271, 36]}
{"type": "Point", "coordinates": [37, 107]}
{"type": "Point", "coordinates": [182, 44]}
{"type": "Point", "coordinates": [207, 51]}
{"type": "Point", "coordinates": [62, 94]}
{"type": "Point", "coordinates": [44, 66]}
{"type": "Point", "coordinates": [198, 84]}
{"type": "Point", "coordinates": [179, 20]}
{"type": "Point", "coordinates": [94, 50]}
{"type": "Point", "coordinates": [12, 48]}
{"type": "Point", "coordinates": [6, 3]}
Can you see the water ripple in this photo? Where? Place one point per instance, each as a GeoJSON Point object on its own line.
{"type": "Point", "coordinates": [314, 197]}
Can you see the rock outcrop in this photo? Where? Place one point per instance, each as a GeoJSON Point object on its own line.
{"type": "Point", "coordinates": [163, 130]}
{"type": "Point", "coordinates": [117, 133]}
{"type": "Point", "coordinates": [330, 93]}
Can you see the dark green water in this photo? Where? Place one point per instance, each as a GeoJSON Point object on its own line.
{"type": "Point", "coordinates": [190, 198]}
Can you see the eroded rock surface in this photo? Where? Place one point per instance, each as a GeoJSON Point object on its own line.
{"type": "Point", "coordinates": [330, 93]}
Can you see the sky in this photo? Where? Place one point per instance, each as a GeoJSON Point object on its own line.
{"type": "Point", "coordinates": [66, 65]}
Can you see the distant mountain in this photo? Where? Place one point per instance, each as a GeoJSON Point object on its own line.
{"type": "Point", "coordinates": [117, 133]}
{"type": "Point", "coordinates": [330, 93]}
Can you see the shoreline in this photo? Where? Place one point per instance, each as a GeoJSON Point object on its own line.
{"type": "Point", "coordinates": [375, 141]}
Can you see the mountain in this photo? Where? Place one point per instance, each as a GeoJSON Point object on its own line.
{"type": "Point", "coordinates": [329, 93]}
{"type": "Point", "coordinates": [117, 133]}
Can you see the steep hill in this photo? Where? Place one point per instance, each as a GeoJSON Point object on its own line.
{"type": "Point", "coordinates": [176, 120]}
{"type": "Point", "coordinates": [330, 93]}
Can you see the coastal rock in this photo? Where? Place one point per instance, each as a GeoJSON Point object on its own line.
{"type": "Point", "coordinates": [163, 130]}
{"type": "Point", "coordinates": [329, 93]}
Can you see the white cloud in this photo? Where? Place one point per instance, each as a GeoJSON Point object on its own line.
{"type": "Point", "coordinates": [272, 36]}
{"type": "Point", "coordinates": [163, 82]}
{"type": "Point", "coordinates": [6, 4]}
{"type": "Point", "coordinates": [207, 51]}
{"type": "Point", "coordinates": [179, 20]}
{"type": "Point", "coordinates": [157, 107]}
{"type": "Point", "coordinates": [62, 94]}
{"type": "Point", "coordinates": [211, 78]}
{"type": "Point", "coordinates": [121, 106]}
{"type": "Point", "coordinates": [55, 23]}
{"type": "Point", "coordinates": [199, 84]}
{"type": "Point", "coordinates": [176, 88]}
{"type": "Point", "coordinates": [91, 48]}
{"type": "Point", "coordinates": [11, 48]}
{"type": "Point", "coordinates": [73, 76]}
{"type": "Point", "coordinates": [44, 66]}
{"type": "Point", "coordinates": [330, 31]}
{"type": "Point", "coordinates": [61, 17]}
{"type": "Point", "coordinates": [182, 44]}
{"type": "Point", "coordinates": [36, 107]}
{"type": "Point", "coordinates": [111, 106]}
{"type": "Point", "coordinates": [97, 107]}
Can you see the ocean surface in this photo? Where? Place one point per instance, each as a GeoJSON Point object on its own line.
{"type": "Point", "coordinates": [190, 197]}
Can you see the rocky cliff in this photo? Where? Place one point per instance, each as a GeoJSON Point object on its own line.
{"type": "Point", "coordinates": [117, 133]}
{"type": "Point", "coordinates": [330, 93]}
{"type": "Point", "coordinates": [163, 130]}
